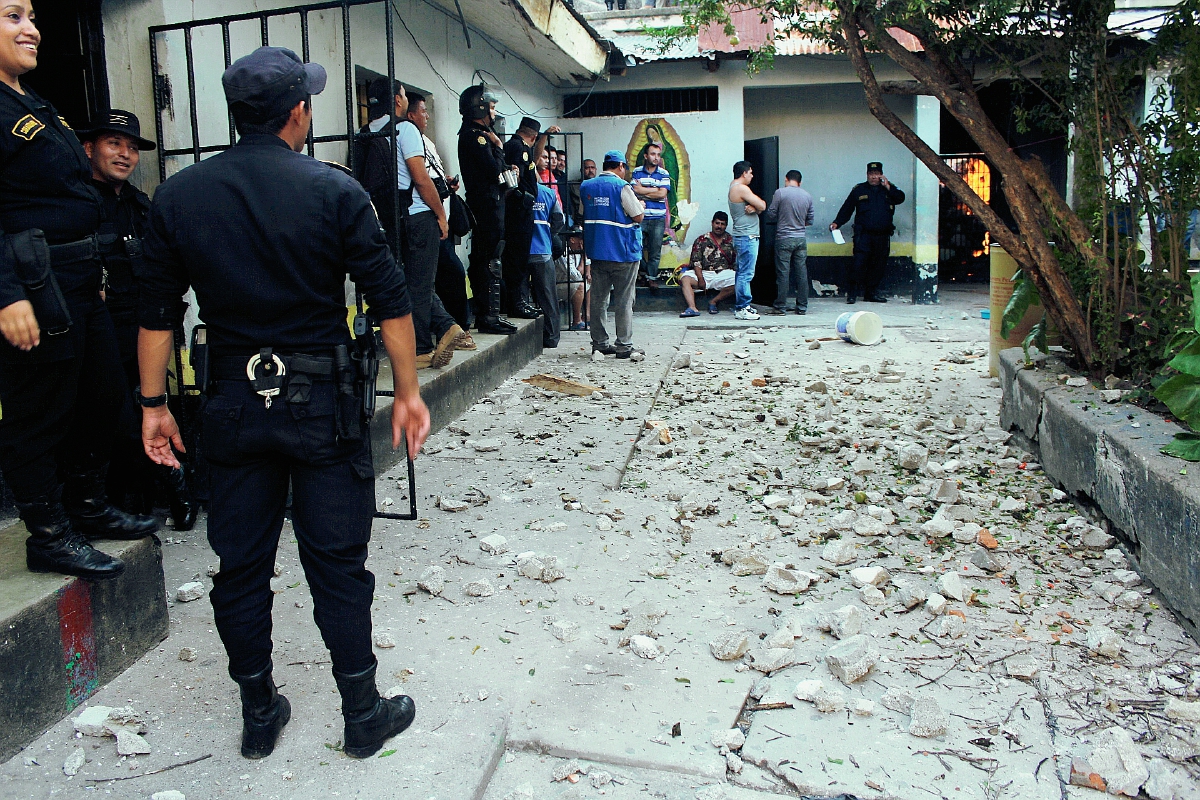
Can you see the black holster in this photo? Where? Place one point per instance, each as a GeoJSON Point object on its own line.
{"type": "Point", "coordinates": [347, 408]}
{"type": "Point", "coordinates": [198, 357]}
{"type": "Point", "coordinates": [367, 359]}
{"type": "Point", "coordinates": [30, 257]}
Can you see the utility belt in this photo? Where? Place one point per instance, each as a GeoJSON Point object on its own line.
{"type": "Point", "coordinates": [888, 231]}
{"type": "Point", "coordinates": [291, 375]}
{"type": "Point", "coordinates": [32, 259]}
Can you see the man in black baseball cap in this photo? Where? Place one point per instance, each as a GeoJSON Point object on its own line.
{"type": "Point", "coordinates": [265, 236]}
{"type": "Point", "coordinates": [873, 206]}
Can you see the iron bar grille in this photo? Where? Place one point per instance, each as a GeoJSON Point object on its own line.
{"type": "Point", "coordinates": [643, 102]}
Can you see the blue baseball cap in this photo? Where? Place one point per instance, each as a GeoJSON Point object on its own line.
{"type": "Point", "coordinates": [615, 155]}
{"type": "Point", "coordinates": [270, 81]}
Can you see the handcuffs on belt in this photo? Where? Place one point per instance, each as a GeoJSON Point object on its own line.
{"type": "Point", "coordinates": [272, 368]}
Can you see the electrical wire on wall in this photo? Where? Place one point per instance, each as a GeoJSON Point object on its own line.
{"type": "Point", "coordinates": [480, 73]}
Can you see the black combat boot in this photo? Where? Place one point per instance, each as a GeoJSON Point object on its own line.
{"type": "Point", "coordinates": [54, 546]}
{"type": "Point", "coordinates": [183, 506]}
{"type": "Point", "coordinates": [95, 517]}
{"type": "Point", "coordinates": [370, 719]}
{"type": "Point", "coordinates": [491, 322]}
{"type": "Point", "coordinates": [264, 713]}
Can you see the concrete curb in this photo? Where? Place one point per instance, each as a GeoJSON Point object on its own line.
{"type": "Point", "coordinates": [1110, 455]}
{"type": "Point", "coordinates": [64, 637]}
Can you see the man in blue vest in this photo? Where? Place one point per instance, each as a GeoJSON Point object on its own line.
{"type": "Point", "coordinates": [612, 236]}
{"type": "Point", "coordinates": [547, 223]}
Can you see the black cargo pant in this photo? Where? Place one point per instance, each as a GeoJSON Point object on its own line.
{"type": "Point", "coordinates": [487, 233]}
{"type": "Point", "coordinates": [254, 452]}
{"type": "Point", "coordinates": [518, 235]}
{"type": "Point", "coordinates": [60, 401]}
{"type": "Point", "coordinates": [871, 252]}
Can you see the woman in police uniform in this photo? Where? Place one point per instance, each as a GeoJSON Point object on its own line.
{"type": "Point", "coordinates": [60, 375]}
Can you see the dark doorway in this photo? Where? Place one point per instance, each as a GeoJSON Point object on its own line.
{"type": "Point", "coordinates": [763, 155]}
{"type": "Point", "coordinates": [71, 73]}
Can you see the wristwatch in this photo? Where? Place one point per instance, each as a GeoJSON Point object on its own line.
{"type": "Point", "coordinates": [150, 402]}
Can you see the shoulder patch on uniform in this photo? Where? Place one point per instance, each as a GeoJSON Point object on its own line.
{"type": "Point", "coordinates": [524, 156]}
{"type": "Point", "coordinates": [481, 140]}
{"type": "Point", "coordinates": [28, 127]}
{"type": "Point", "coordinates": [64, 122]}
{"type": "Point", "coordinates": [864, 197]}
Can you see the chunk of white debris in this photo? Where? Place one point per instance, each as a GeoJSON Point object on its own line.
{"type": "Point", "coordinates": [867, 525]}
{"type": "Point", "coordinates": [769, 659]}
{"type": "Point", "coordinates": [729, 646]}
{"type": "Point", "coordinates": [1182, 710]}
{"type": "Point", "coordinates": [90, 721]}
{"type": "Point", "coordinates": [189, 592]}
{"type": "Point", "coordinates": [384, 640]}
{"type": "Point", "coordinates": [1104, 641]}
{"type": "Point", "coordinates": [840, 551]}
{"type": "Point", "coordinates": [951, 627]}
{"type": "Point", "coordinates": [847, 621]}
{"type": "Point", "coordinates": [603, 522]}
{"type": "Point", "coordinates": [863, 707]}
{"type": "Point", "coordinates": [936, 604]}
{"type": "Point", "coordinates": [433, 580]}
{"type": "Point", "coordinates": [1118, 761]}
{"type": "Point", "coordinates": [951, 586]}
{"type": "Point", "coordinates": [188, 654]}
{"type": "Point", "coordinates": [169, 794]}
{"type": "Point", "coordinates": [643, 647]}
{"type": "Point", "coordinates": [731, 739]}
{"type": "Point", "coordinates": [539, 567]}
{"type": "Point", "coordinates": [494, 544]}
{"type": "Point", "coordinates": [131, 744]}
{"type": "Point", "coordinates": [912, 457]}
{"type": "Point", "coordinates": [1022, 666]}
{"type": "Point", "coordinates": [928, 719]}
{"type": "Point", "coordinates": [850, 660]}
{"type": "Point", "coordinates": [829, 701]}
{"type": "Point", "coordinates": [480, 588]}
{"type": "Point", "coordinates": [910, 596]}
{"type": "Point", "coordinates": [565, 630]}
{"type": "Point", "coordinates": [870, 576]}
{"type": "Point", "coordinates": [806, 690]}
{"type": "Point", "coordinates": [74, 762]}
{"type": "Point", "coordinates": [785, 579]}
{"type": "Point", "coordinates": [452, 504]}
{"type": "Point", "coordinates": [750, 563]}
{"type": "Point", "coordinates": [900, 700]}
{"type": "Point", "coordinates": [1169, 782]}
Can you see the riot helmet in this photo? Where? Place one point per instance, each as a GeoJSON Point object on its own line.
{"type": "Point", "coordinates": [474, 102]}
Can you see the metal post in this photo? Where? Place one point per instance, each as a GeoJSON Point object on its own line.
{"type": "Point", "coordinates": [228, 61]}
{"type": "Point", "coordinates": [191, 80]}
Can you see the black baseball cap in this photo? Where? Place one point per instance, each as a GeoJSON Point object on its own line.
{"type": "Point", "coordinates": [530, 123]}
{"type": "Point", "coordinates": [117, 121]}
{"type": "Point", "coordinates": [874, 166]}
{"type": "Point", "coordinates": [270, 81]}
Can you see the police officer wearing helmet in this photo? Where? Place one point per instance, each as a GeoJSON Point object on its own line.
{"type": "Point", "coordinates": [522, 151]}
{"type": "Point", "coordinates": [873, 205]}
{"type": "Point", "coordinates": [113, 145]}
{"type": "Point", "coordinates": [481, 160]}
{"type": "Point", "coordinates": [265, 236]}
{"type": "Point", "coordinates": [60, 373]}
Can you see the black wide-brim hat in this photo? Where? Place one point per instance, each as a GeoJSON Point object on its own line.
{"type": "Point", "coordinates": [118, 121]}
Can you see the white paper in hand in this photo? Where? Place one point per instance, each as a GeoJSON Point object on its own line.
{"type": "Point", "coordinates": [837, 237]}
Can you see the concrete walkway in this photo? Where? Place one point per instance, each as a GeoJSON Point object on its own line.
{"type": "Point", "coordinates": [661, 540]}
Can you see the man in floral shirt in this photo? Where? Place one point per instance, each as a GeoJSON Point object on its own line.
{"type": "Point", "coordinates": [712, 266]}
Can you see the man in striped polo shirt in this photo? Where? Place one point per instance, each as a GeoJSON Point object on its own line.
{"type": "Point", "coordinates": [650, 183]}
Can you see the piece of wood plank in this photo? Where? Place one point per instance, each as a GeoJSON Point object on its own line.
{"type": "Point", "coordinates": [555, 384]}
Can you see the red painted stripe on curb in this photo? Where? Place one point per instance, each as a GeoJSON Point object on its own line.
{"type": "Point", "coordinates": [78, 642]}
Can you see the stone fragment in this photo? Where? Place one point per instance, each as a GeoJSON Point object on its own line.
{"type": "Point", "coordinates": [840, 551]}
{"type": "Point", "coordinates": [952, 587]}
{"type": "Point", "coordinates": [539, 567]}
{"type": "Point", "coordinates": [862, 707]}
{"type": "Point", "coordinates": [597, 355]}
{"type": "Point", "coordinates": [989, 561]}
{"type": "Point", "coordinates": [90, 721]}
{"type": "Point", "coordinates": [769, 659]}
{"type": "Point", "coordinates": [485, 445]}
{"type": "Point", "coordinates": [936, 604]}
{"type": "Point", "coordinates": [734, 764]}
{"type": "Point", "coordinates": [870, 576]}
{"type": "Point", "coordinates": [785, 579]}
{"type": "Point", "coordinates": [946, 492]}
{"type": "Point", "coordinates": [1022, 666]}
{"type": "Point", "coordinates": [1082, 774]}
{"type": "Point", "coordinates": [480, 588]}
{"type": "Point", "coordinates": [189, 592]}
{"type": "Point", "coordinates": [599, 777]}
{"type": "Point", "coordinates": [927, 718]}
{"type": "Point", "coordinates": [729, 646]}
{"type": "Point", "coordinates": [643, 647]}
{"type": "Point", "coordinates": [1169, 782]}
{"type": "Point", "coordinates": [565, 769]}
{"type": "Point", "coordinates": [74, 762]}
{"type": "Point", "coordinates": [125, 717]}
{"type": "Point", "coordinates": [1103, 641]}
{"type": "Point", "coordinates": [806, 690]}
{"type": "Point", "coordinates": [1118, 761]}
{"type": "Point", "coordinates": [433, 580]}
{"type": "Point", "coordinates": [1012, 505]}
{"type": "Point", "coordinates": [985, 539]}
{"type": "Point", "coordinates": [452, 504]}
{"type": "Point", "coordinates": [829, 701]}
{"type": "Point", "coordinates": [1127, 578]}
{"type": "Point", "coordinates": [912, 457]}
{"type": "Point", "coordinates": [494, 544]}
{"type": "Point", "coordinates": [863, 465]}
{"type": "Point", "coordinates": [731, 739]}
{"type": "Point", "coordinates": [939, 528]}
{"type": "Point", "coordinates": [750, 563]}
{"type": "Point", "coordinates": [131, 744]}
{"type": "Point", "coordinates": [774, 501]}
{"type": "Point", "coordinates": [604, 522]}
{"type": "Point", "coordinates": [384, 640]}
{"type": "Point", "coordinates": [566, 631]}
{"type": "Point", "coordinates": [869, 526]}
{"type": "Point", "coordinates": [1096, 539]}
{"type": "Point", "coordinates": [851, 659]}
{"type": "Point", "coordinates": [911, 596]}
{"type": "Point", "coordinates": [1183, 711]}
{"type": "Point", "coordinates": [847, 621]}
{"type": "Point", "coordinates": [900, 700]}
{"type": "Point", "coordinates": [951, 627]}
{"type": "Point", "coordinates": [817, 387]}
{"type": "Point", "coordinates": [872, 596]}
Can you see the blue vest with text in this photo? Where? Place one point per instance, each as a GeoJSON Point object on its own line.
{"type": "Point", "coordinates": [608, 232]}
{"type": "Point", "coordinates": [543, 207]}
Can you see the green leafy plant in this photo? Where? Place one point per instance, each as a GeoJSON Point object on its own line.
{"type": "Point", "coordinates": [1181, 392]}
{"type": "Point", "coordinates": [1025, 294]}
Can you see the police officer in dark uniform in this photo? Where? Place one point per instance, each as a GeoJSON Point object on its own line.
{"type": "Point", "coordinates": [872, 204]}
{"type": "Point", "coordinates": [481, 160]}
{"type": "Point", "coordinates": [113, 145]}
{"type": "Point", "coordinates": [265, 236]}
{"type": "Point", "coordinates": [521, 152]}
{"type": "Point", "coordinates": [60, 374]}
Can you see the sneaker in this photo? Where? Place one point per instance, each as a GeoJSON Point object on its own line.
{"type": "Point", "coordinates": [578, 326]}
{"type": "Point", "coordinates": [690, 312]}
{"type": "Point", "coordinates": [626, 352]}
{"type": "Point", "coordinates": [746, 313]}
{"type": "Point", "coordinates": [802, 311]}
{"type": "Point", "coordinates": [443, 352]}
{"type": "Point", "coordinates": [773, 311]}
{"type": "Point", "coordinates": [424, 360]}
{"type": "Point", "coordinates": [606, 349]}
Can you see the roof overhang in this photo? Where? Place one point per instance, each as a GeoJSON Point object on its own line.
{"type": "Point", "coordinates": [548, 34]}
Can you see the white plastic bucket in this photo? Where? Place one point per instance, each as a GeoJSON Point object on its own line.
{"type": "Point", "coordinates": [860, 327]}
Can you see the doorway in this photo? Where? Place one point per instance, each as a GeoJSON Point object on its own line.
{"type": "Point", "coordinates": [71, 72]}
{"type": "Point", "coordinates": [763, 155]}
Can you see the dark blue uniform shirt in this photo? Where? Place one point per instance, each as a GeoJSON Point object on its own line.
{"type": "Point", "coordinates": [872, 207]}
{"type": "Point", "coordinates": [266, 237]}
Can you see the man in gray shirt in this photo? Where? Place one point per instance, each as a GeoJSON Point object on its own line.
{"type": "Point", "coordinates": [792, 210]}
